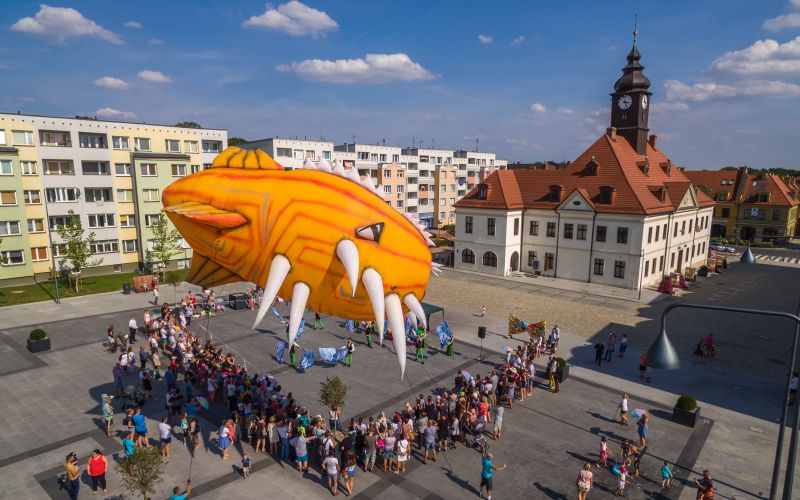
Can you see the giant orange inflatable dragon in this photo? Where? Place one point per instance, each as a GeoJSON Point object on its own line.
{"type": "Point", "coordinates": [319, 236]}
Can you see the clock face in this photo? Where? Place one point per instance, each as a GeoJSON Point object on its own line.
{"type": "Point", "coordinates": [625, 102]}
{"type": "Point", "coordinates": [644, 102]}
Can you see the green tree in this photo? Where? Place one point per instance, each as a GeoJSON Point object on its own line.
{"type": "Point", "coordinates": [188, 125]}
{"type": "Point", "coordinates": [141, 472]}
{"type": "Point", "coordinates": [77, 246]}
{"type": "Point", "coordinates": [165, 241]}
{"type": "Point", "coordinates": [333, 392]}
{"type": "Point", "coordinates": [235, 141]}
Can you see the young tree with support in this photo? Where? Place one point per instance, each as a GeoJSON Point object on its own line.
{"type": "Point", "coordinates": [165, 242]}
{"type": "Point", "coordinates": [77, 246]}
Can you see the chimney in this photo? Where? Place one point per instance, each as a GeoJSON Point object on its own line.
{"type": "Point", "coordinates": [653, 140]}
{"type": "Point", "coordinates": [612, 133]}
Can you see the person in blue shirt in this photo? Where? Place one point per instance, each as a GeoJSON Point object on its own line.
{"type": "Point", "coordinates": [487, 467]}
{"type": "Point", "coordinates": [176, 491]}
{"type": "Point", "coordinates": [129, 447]}
{"type": "Point", "coordinates": [140, 427]}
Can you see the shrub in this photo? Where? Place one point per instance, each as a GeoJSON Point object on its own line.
{"type": "Point", "coordinates": [38, 334]}
{"type": "Point", "coordinates": [333, 392]}
{"type": "Point", "coordinates": [687, 403]}
{"type": "Point", "coordinates": [762, 244]}
{"type": "Point", "coordinates": [561, 363]}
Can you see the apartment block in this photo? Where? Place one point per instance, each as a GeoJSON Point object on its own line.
{"type": "Point", "coordinates": [110, 174]}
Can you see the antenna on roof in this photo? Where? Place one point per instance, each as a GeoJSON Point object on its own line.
{"type": "Point", "coordinates": [433, 143]}
{"type": "Point", "coordinates": [477, 140]}
{"type": "Point", "coordinates": [353, 134]}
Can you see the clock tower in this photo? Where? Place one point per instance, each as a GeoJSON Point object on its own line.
{"type": "Point", "coordinates": [630, 102]}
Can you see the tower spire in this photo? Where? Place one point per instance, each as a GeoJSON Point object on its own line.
{"type": "Point", "coordinates": [635, 28]}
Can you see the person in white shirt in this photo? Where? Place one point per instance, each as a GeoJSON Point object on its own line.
{"type": "Point", "coordinates": [165, 433]}
{"type": "Point", "coordinates": [332, 470]}
{"type": "Point", "coordinates": [623, 410]}
{"type": "Point", "coordinates": [133, 327]}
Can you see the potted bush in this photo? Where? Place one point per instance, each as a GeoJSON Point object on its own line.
{"type": "Point", "coordinates": [563, 370]}
{"type": "Point", "coordinates": [38, 341]}
{"type": "Point", "coordinates": [686, 411]}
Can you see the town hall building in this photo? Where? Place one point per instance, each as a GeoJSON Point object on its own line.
{"type": "Point", "coordinates": [621, 214]}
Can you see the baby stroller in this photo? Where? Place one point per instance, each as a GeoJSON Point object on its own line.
{"type": "Point", "coordinates": [475, 437]}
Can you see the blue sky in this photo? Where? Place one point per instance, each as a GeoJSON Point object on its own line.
{"type": "Point", "coordinates": [529, 79]}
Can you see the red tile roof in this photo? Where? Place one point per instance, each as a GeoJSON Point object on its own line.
{"type": "Point", "coordinates": [632, 176]}
{"type": "Point", "coordinates": [768, 183]}
{"type": "Point", "coordinates": [711, 181]}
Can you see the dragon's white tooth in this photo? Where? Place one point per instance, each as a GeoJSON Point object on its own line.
{"type": "Point", "coordinates": [347, 252]}
{"type": "Point", "coordinates": [338, 170]}
{"type": "Point", "coordinates": [412, 318]}
{"type": "Point", "coordinates": [309, 164]}
{"type": "Point", "coordinates": [410, 300]}
{"type": "Point", "coordinates": [300, 294]}
{"type": "Point", "coordinates": [352, 174]}
{"type": "Point", "coordinates": [277, 273]}
{"type": "Point", "coordinates": [324, 164]}
{"type": "Point", "coordinates": [394, 312]}
{"type": "Point", "coordinates": [429, 242]}
{"type": "Point", "coordinates": [373, 283]}
{"type": "Point", "coordinates": [368, 183]}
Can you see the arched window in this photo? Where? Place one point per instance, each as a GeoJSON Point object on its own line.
{"type": "Point", "coordinates": [468, 256]}
{"type": "Point", "coordinates": [490, 259]}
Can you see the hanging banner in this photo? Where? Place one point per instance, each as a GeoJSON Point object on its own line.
{"type": "Point", "coordinates": [444, 333]}
{"type": "Point", "coordinates": [307, 361]}
{"type": "Point", "coordinates": [280, 351]}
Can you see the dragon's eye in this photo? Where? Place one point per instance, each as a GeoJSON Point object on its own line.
{"type": "Point", "coordinates": [371, 232]}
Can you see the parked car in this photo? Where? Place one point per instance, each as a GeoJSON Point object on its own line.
{"type": "Point", "coordinates": [719, 247]}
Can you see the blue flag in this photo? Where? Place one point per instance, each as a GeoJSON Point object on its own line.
{"type": "Point", "coordinates": [408, 327]}
{"type": "Point", "coordinates": [350, 325]}
{"type": "Point", "coordinates": [307, 361]}
{"type": "Point", "coordinates": [277, 314]}
{"type": "Point", "coordinates": [300, 328]}
{"type": "Point", "coordinates": [332, 355]}
{"type": "Point", "coordinates": [386, 326]}
{"type": "Point", "coordinates": [444, 333]}
{"type": "Point", "coordinates": [280, 351]}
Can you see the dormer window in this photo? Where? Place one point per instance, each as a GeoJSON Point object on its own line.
{"type": "Point", "coordinates": [722, 196]}
{"type": "Point", "coordinates": [644, 166]}
{"type": "Point", "coordinates": [763, 197]}
{"type": "Point", "coordinates": [591, 167]}
{"type": "Point", "coordinates": [483, 191]}
{"type": "Point", "coordinates": [667, 167]}
{"type": "Point", "coordinates": [606, 195]}
{"type": "Point", "coordinates": [555, 193]}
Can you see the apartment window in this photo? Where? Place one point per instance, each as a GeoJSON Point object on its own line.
{"type": "Point", "coordinates": [58, 167]}
{"type": "Point", "coordinates": [619, 269]}
{"type": "Point", "coordinates": [649, 235]}
{"type": "Point", "coordinates": [122, 169]}
{"type": "Point", "coordinates": [400, 174]}
{"type": "Point", "coordinates": [399, 203]}
{"type": "Point", "coordinates": [22, 137]}
{"type": "Point", "coordinates": [468, 224]}
{"type": "Point", "coordinates": [127, 220]}
{"type": "Point", "coordinates": [661, 262]}
{"type": "Point", "coordinates": [38, 254]}
{"type": "Point", "coordinates": [672, 261]}
{"type": "Point", "coordinates": [142, 144]}
{"type": "Point", "coordinates": [194, 169]}
{"type": "Point", "coordinates": [489, 259]}
{"type": "Point", "coordinates": [98, 194]}
{"type": "Point", "coordinates": [551, 229]}
{"type": "Point", "coordinates": [178, 170]}
{"type": "Point", "coordinates": [533, 228]}
{"type": "Point", "coordinates": [549, 260]}
{"type": "Point", "coordinates": [581, 235]}
{"type": "Point", "coordinates": [214, 147]}
{"type": "Point", "coordinates": [130, 246]}
{"type": "Point", "coordinates": [516, 227]}
{"type": "Point", "coordinates": [490, 226]}
{"type": "Point", "coordinates": [400, 189]}
{"type": "Point", "coordinates": [468, 256]}
{"type": "Point", "coordinates": [531, 258]}
{"type": "Point", "coordinates": [675, 230]}
{"type": "Point", "coordinates": [32, 197]}
{"type": "Point", "coordinates": [683, 227]}
{"type": "Point", "coordinates": [151, 220]}
{"type": "Point", "coordinates": [298, 154]}
{"type": "Point", "coordinates": [776, 215]}
{"type": "Point", "coordinates": [95, 168]}
{"type": "Point", "coordinates": [206, 166]}
{"type": "Point", "coordinates": [599, 265]}
{"type": "Point", "coordinates": [9, 228]}
{"type": "Point", "coordinates": [622, 235]}
{"type": "Point", "coordinates": [28, 167]}
{"type": "Point", "coordinates": [173, 145]}
{"type": "Point", "coordinates": [97, 221]}
{"type": "Point", "coordinates": [35, 225]}
{"type": "Point", "coordinates": [124, 195]}
{"type": "Point", "coordinates": [646, 268]}
{"type": "Point", "coordinates": [281, 152]}
{"type": "Point", "coordinates": [104, 246]}
{"type": "Point", "coordinates": [704, 248]}
{"type": "Point", "coordinates": [190, 146]}
{"type": "Point", "coordinates": [443, 188]}
{"type": "Point", "coordinates": [387, 189]}
{"type": "Point", "coordinates": [665, 231]}
{"type": "Point", "coordinates": [2, 137]}
{"type": "Point", "coordinates": [148, 169]}
{"type": "Point", "coordinates": [150, 195]}
{"type": "Point", "coordinates": [12, 257]}
{"type": "Point", "coordinates": [61, 195]}
{"type": "Point", "coordinates": [62, 220]}
{"type": "Point", "coordinates": [8, 197]}
{"type": "Point", "coordinates": [93, 141]}
{"type": "Point", "coordinates": [6, 168]}
{"type": "Point", "coordinates": [326, 155]}
{"type": "Point", "coordinates": [658, 230]}
{"type": "Point", "coordinates": [119, 142]}
{"type": "Point", "coordinates": [568, 228]}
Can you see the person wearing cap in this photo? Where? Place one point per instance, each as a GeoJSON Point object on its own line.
{"type": "Point", "coordinates": [487, 468]}
{"type": "Point", "coordinates": [108, 413]}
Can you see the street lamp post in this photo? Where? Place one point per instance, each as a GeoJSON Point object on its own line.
{"type": "Point", "coordinates": [661, 354]}
{"type": "Point", "coordinates": [55, 271]}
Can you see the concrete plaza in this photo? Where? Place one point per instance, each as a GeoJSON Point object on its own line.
{"type": "Point", "coordinates": [51, 400]}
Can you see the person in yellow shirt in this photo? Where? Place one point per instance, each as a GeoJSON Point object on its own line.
{"type": "Point", "coordinates": [72, 481]}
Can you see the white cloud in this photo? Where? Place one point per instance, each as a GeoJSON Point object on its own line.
{"type": "Point", "coordinates": [782, 22]}
{"type": "Point", "coordinates": [762, 57]}
{"type": "Point", "coordinates": [668, 136]}
{"type": "Point", "coordinates": [372, 69]}
{"type": "Point", "coordinates": [538, 108]}
{"type": "Point", "coordinates": [748, 131]}
{"type": "Point", "coordinates": [154, 76]}
{"type": "Point", "coordinates": [518, 40]}
{"type": "Point", "coordinates": [155, 41]}
{"type": "Point", "coordinates": [485, 39]}
{"type": "Point", "coordinates": [523, 144]}
{"type": "Point", "coordinates": [565, 111]}
{"type": "Point", "coordinates": [698, 92]}
{"type": "Point", "coordinates": [294, 18]}
{"type": "Point", "coordinates": [795, 3]}
{"type": "Point", "coordinates": [666, 107]}
{"type": "Point", "coordinates": [111, 82]}
{"type": "Point", "coordinates": [58, 24]}
{"type": "Point", "coordinates": [114, 113]}
{"type": "Point", "coordinates": [134, 24]}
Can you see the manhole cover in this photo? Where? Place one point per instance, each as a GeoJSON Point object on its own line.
{"type": "Point", "coordinates": [757, 429]}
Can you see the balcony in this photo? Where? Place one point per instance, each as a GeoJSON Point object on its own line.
{"type": "Point", "coordinates": [55, 138]}
{"type": "Point", "coordinates": [411, 202]}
